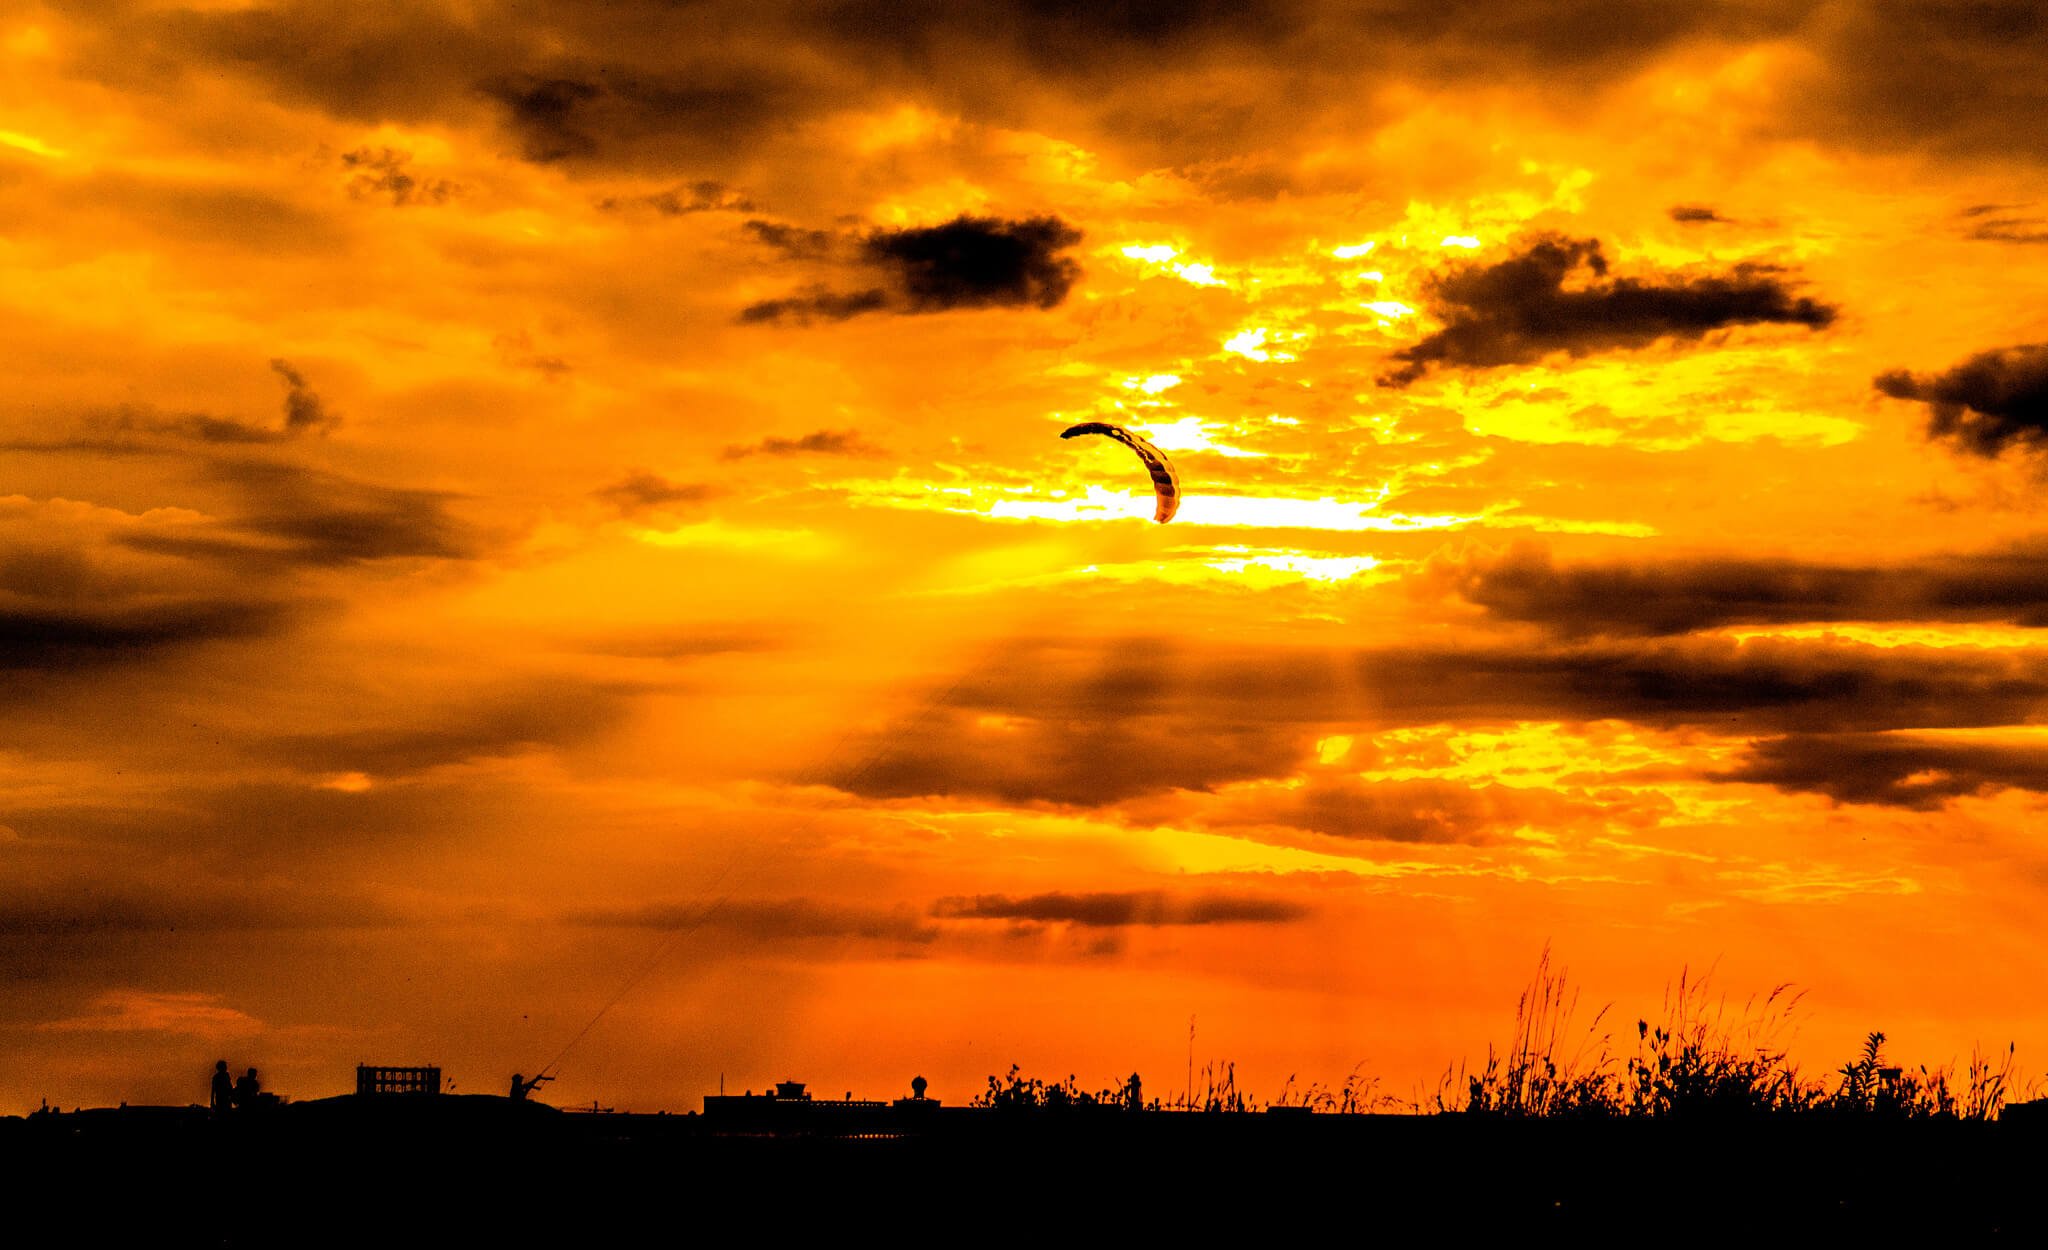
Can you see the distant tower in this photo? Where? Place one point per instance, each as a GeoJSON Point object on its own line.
{"type": "Point", "coordinates": [917, 1087]}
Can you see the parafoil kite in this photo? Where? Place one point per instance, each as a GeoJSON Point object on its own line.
{"type": "Point", "coordinates": [1165, 485]}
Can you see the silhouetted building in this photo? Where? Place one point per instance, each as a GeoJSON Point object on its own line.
{"type": "Point", "coordinates": [380, 1081]}
{"type": "Point", "coordinates": [788, 1108]}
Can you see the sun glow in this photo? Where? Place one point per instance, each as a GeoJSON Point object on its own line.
{"type": "Point", "coordinates": [1190, 434]}
{"type": "Point", "coordinates": [1312, 568]}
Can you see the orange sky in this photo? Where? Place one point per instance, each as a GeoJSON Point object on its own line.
{"type": "Point", "coordinates": [498, 491]}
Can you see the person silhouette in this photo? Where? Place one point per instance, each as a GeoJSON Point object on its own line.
{"type": "Point", "coordinates": [247, 1091]}
{"type": "Point", "coordinates": [521, 1088]}
{"type": "Point", "coordinates": [223, 1088]}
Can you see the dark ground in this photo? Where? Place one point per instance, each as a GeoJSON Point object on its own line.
{"type": "Point", "coordinates": [485, 1171]}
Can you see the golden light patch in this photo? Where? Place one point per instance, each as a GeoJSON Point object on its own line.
{"type": "Point", "coordinates": [30, 144]}
{"type": "Point", "coordinates": [1543, 752]}
{"type": "Point", "coordinates": [1985, 637]}
{"type": "Point", "coordinates": [720, 534]}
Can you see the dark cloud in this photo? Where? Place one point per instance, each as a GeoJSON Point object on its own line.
{"type": "Point", "coordinates": [650, 116]}
{"type": "Point", "coordinates": [368, 64]}
{"type": "Point", "coordinates": [98, 909]}
{"type": "Point", "coordinates": [816, 443]}
{"type": "Point", "coordinates": [538, 716]}
{"type": "Point", "coordinates": [311, 517]}
{"type": "Point", "coordinates": [638, 80]}
{"type": "Point", "coordinates": [1122, 909]}
{"type": "Point", "coordinates": [2004, 223]}
{"type": "Point", "coordinates": [1345, 806]}
{"type": "Point", "coordinates": [544, 113]}
{"type": "Point", "coordinates": [1521, 309]}
{"type": "Point", "coordinates": [1691, 213]}
{"type": "Point", "coordinates": [132, 427]}
{"type": "Point", "coordinates": [1928, 75]}
{"type": "Point", "coordinates": [385, 173]}
{"type": "Point", "coordinates": [35, 636]}
{"type": "Point", "coordinates": [794, 241]}
{"type": "Point", "coordinates": [137, 429]}
{"type": "Point", "coordinates": [260, 832]}
{"type": "Point", "coordinates": [1077, 757]}
{"type": "Point", "coordinates": [1121, 44]}
{"type": "Point", "coordinates": [82, 585]}
{"type": "Point", "coordinates": [702, 196]}
{"type": "Point", "coordinates": [1761, 684]}
{"type": "Point", "coordinates": [1055, 33]}
{"type": "Point", "coordinates": [205, 429]}
{"type": "Point", "coordinates": [979, 262]}
{"type": "Point", "coordinates": [642, 490]}
{"type": "Point", "coordinates": [794, 919]}
{"type": "Point", "coordinates": [1993, 401]}
{"type": "Point", "coordinates": [1683, 596]}
{"type": "Point", "coordinates": [302, 408]}
{"type": "Point", "coordinates": [965, 263]}
{"type": "Point", "coordinates": [702, 85]}
{"type": "Point", "coordinates": [518, 351]}
{"type": "Point", "coordinates": [319, 521]}
{"type": "Point", "coordinates": [1895, 770]}
{"type": "Point", "coordinates": [75, 591]}
{"type": "Point", "coordinates": [1111, 721]}
{"type": "Point", "coordinates": [2011, 230]}
{"type": "Point", "coordinates": [819, 305]}
{"type": "Point", "coordinates": [681, 644]}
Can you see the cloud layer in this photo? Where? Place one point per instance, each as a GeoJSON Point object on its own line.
{"type": "Point", "coordinates": [1555, 295]}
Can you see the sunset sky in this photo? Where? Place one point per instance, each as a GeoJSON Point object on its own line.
{"type": "Point", "coordinates": [501, 498]}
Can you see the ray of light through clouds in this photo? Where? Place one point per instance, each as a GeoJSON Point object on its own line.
{"type": "Point", "coordinates": [495, 490]}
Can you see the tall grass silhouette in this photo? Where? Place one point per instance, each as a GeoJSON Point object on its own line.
{"type": "Point", "coordinates": [1702, 1061]}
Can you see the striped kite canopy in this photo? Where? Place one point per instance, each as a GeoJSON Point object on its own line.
{"type": "Point", "coordinates": [1165, 483]}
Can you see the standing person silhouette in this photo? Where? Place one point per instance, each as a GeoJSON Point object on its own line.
{"type": "Point", "coordinates": [246, 1092]}
{"type": "Point", "coordinates": [223, 1089]}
